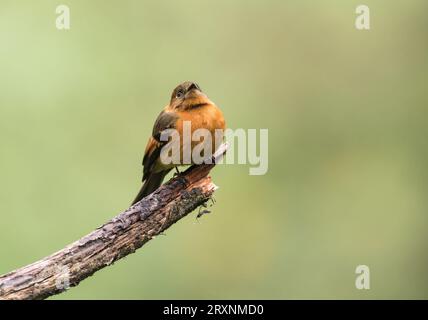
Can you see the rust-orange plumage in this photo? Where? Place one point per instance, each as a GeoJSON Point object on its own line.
{"type": "Point", "coordinates": [188, 103]}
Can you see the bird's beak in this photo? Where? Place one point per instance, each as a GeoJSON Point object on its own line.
{"type": "Point", "coordinates": [194, 93]}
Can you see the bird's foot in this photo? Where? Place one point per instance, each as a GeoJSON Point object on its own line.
{"type": "Point", "coordinates": [177, 172]}
{"type": "Point", "coordinates": [180, 177]}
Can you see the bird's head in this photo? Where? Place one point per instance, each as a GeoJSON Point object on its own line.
{"type": "Point", "coordinates": [188, 95]}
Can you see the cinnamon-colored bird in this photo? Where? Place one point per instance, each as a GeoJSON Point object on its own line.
{"type": "Point", "coordinates": [188, 103]}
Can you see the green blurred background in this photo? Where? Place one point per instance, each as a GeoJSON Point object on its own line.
{"type": "Point", "coordinates": [347, 117]}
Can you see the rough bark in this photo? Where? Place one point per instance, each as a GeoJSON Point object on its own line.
{"type": "Point", "coordinates": [115, 239]}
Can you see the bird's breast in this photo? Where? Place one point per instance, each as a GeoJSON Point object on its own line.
{"type": "Point", "coordinates": [208, 117]}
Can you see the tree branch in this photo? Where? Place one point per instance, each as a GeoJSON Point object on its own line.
{"type": "Point", "coordinates": [117, 238]}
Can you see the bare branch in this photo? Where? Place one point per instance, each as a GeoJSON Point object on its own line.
{"type": "Point", "coordinates": [117, 238]}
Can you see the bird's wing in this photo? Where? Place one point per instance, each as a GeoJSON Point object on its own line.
{"type": "Point", "coordinates": [165, 120]}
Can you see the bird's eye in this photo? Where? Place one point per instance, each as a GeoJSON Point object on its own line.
{"type": "Point", "coordinates": [179, 94]}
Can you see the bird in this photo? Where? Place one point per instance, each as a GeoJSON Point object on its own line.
{"type": "Point", "coordinates": [187, 103]}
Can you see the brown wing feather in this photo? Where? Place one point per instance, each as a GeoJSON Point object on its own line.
{"type": "Point", "coordinates": [165, 120]}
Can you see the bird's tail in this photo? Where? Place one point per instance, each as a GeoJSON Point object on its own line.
{"type": "Point", "coordinates": [153, 181]}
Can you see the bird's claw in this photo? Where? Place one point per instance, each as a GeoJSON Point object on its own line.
{"type": "Point", "coordinates": [180, 177]}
